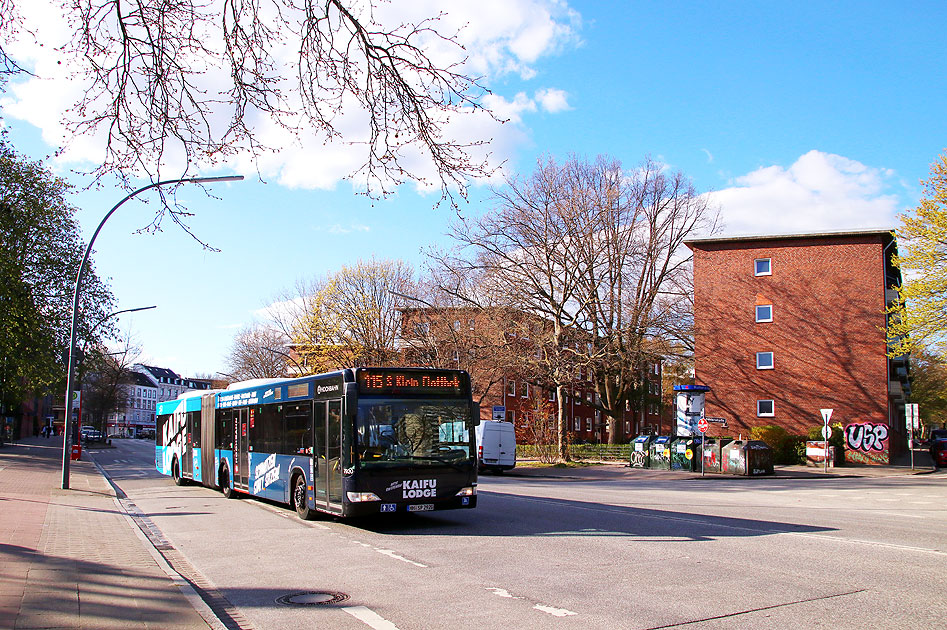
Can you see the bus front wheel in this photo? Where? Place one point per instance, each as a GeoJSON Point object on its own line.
{"type": "Point", "coordinates": [299, 499]}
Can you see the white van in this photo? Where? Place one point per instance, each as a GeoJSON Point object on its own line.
{"type": "Point", "coordinates": [496, 445]}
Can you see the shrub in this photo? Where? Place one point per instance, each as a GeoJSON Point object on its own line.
{"type": "Point", "coordinates": [785, 445]}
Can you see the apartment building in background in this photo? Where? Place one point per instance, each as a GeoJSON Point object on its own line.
{"type": "Point", "coordinates": [788, 325]}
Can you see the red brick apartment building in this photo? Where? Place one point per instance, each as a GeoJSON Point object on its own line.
{"type": "Point", "coordinates": [466, 338]}
{"type": "Point", "coordinates": [786, 325]}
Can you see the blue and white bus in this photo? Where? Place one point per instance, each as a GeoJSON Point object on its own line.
{"type": "Point", "coordinates": [350, 443]}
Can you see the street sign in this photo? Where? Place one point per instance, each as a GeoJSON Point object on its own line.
{"type": "Point", "coordinates": [912, 417]}
{"type": "Point", "coordinates": [499, 412]}
{"type": "Point", "coordinates": [826, 433]}
{"type": "Point", "coordinates": [721, 421]}
{"type": "Point", "coordinates": [702, 425]}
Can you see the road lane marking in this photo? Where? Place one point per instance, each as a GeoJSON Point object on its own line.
{"type": "Point", "coordinates": [370, 618]}
{"type": "Point", "coordinates": [549, 610]}
{"type": "Point", "coordinates": [555, 612]}
{"type": "Point", "coordinates": [392, 554]}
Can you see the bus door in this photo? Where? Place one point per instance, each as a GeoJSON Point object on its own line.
{"type": "Point", "coordinates": [241, 439]}
{"type": "Point", "coordinates": [327, 422]}
{"type": "Point", "coordinates": [187, 456]}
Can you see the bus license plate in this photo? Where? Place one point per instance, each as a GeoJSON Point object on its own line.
{"type": "Point", "coordinates": [421, 507]}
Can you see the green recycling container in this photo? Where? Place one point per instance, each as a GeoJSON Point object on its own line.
{"type": "Point", "coordinates": [660, 453]}
{"type": "Point", "coordinates": [685, 453]}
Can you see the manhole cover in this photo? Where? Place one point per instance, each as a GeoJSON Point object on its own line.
{"type": "Point", "coordinates": [312, 598]}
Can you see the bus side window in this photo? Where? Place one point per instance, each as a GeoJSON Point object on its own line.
{"type": "Point", "coordinates": [298, 433]}
{"type": "Point", "coordinates": [225, 430]}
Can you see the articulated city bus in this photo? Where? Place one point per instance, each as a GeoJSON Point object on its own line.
{"type": "Point", "coordinates": [353, 442]}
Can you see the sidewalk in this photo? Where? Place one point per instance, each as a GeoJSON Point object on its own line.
{"type": "Point", "coordinates": [72, 558]}
{"type": "Point", "coordinates": [615, 469]}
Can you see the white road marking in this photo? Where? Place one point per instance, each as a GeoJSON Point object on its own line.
{"type": "Point", "coordinates": [370, 618]}
{"type": "Point", "coordinates": [392, 554]}
{"type": "Point", "coordinates": [555, 612]}
{"type": "Point", "coordinates": [549, 610]}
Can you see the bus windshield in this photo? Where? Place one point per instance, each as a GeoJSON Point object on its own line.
{"type": "Point", "coordinates": [412, 432]}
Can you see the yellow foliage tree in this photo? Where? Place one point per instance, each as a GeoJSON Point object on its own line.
{"type": "Point", "coordinates": [353, 317]}
{"type": "Point", "coordinates": [918, 319]}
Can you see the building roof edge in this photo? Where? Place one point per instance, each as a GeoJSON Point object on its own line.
{"type": "Point", "coordinates": [788, 236]}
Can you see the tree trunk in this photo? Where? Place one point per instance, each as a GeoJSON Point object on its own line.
{"type": "Point", "coordinates": [563, 441]}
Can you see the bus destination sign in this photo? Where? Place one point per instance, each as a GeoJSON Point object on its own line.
{"type": "Point", "coordinates": [411, 382]}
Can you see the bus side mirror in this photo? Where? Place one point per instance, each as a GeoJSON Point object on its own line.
{"type": "Point", "coordinates": [475, 413]}
{"type": "Point", "coordinates": [351, 398]}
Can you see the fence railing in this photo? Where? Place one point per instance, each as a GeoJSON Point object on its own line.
{"type": "Point", "coordinates": [598, 452]}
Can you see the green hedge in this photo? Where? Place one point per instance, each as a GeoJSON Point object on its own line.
{"type": "Point", "coordinates": [598, 452]}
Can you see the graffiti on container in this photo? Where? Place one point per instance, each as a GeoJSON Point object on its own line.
{"type": "Point", "coordinates": [710, 459]}
{"type": "Point", "coordinates": [866, 443]}
{"type": "Point", "coordinates": [639, 459]}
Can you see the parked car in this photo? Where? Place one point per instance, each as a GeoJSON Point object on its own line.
{"type": "Point", "coordinates": [88, 434]}
{"type": "Point", "coordinates": [939, 451]}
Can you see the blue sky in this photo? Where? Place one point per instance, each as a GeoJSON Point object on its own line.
{"type": "Point", "coordinates": [793, 116]}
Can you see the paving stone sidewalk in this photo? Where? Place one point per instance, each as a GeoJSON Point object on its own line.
{"type": "Point", "coordinates": [72, 558]}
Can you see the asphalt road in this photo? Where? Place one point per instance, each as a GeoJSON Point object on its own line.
{"type": "Point", "coordinates": [623, 552]}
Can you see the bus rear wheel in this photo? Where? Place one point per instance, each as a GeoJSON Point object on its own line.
{"type": "Point", "coordinates": [225, 486]}
{"type": "Point", "coordinates": [299, 499]}
{"type": "Point", "coordinates": [176, 473]}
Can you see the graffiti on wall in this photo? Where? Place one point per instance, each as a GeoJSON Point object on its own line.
{"type": "Point", "coordinates": [867, 443]}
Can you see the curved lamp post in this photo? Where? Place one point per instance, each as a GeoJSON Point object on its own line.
{"type": "Point", "coordinates": [70, 364]}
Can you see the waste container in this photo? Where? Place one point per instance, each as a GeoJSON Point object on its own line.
{"type": "Point", "coordinates": [660, 453]}
{"type": "Point", "coordinates": [640, 452]}
{"type": "Point", "coordinates": [747, 457]}
{"type": "Point", "coordinates": [685, 453]}
{"type": "Point", "coordinates": [712, 449]}
{"type": "Point", "coordinates": [76, 452]}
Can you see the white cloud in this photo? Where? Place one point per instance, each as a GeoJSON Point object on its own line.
{"type": "Point", "coordinates": [338, 228]}
{"type": "Point", "coordinates": [820, 191]}
{"type": "Point", "coordinates": [498, 37]}
{"type": "Point", "coordinates": [553, 100]}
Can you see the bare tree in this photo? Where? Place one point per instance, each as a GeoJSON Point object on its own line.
{"type": "Point", "coordinates": [525, 251]}
{"type": "Point", "coordinates": [192, 80]}
{"type": "Point", "coordinates": [258, 351]}
{"type": "Point", "coordinates": [591, 256]}
{"type": "Point", "coordinates": [638, 269]}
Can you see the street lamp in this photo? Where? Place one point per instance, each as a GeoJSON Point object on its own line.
{"type": "Point", "coordinates": [283, 354]}
{"type": "Point", "coordinates": [67, 424]}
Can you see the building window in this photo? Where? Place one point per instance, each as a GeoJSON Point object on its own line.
{"type": "Point", "coordinates": [764, 312]}
{"type": "Point", "coordinates": [524, 389]}
{"type": "Point", "coordinates": [764, 360]}
{"type": "Point", "coordinates": [510, 416]}
{"type": "Point", "coordinates": [765, 408]}
{"type": "Point", "coordinates": [763, 267]}
{"type": "Point", "coordinates": [578, 424]}
{"type": "Point", "coordinates": [510, 387]}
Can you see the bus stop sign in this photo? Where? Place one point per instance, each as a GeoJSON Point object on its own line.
{"type": "Point", "coordinates": [702, 425]}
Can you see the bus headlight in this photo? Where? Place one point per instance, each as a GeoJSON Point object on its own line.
{"type": "Point", "coordinates": [467, 492]}
{"type": "Point", "coordinates": [359, 497]}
